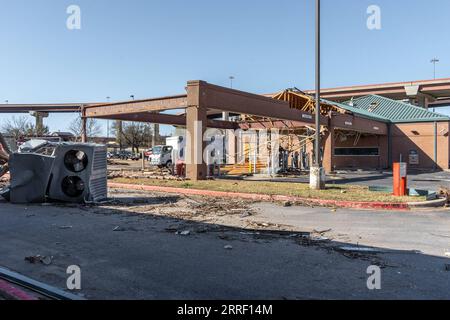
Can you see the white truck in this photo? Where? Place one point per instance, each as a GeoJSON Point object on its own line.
{"type": "Point", "coordinates": [161, 156]}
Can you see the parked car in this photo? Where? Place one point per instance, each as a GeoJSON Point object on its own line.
{"type": "Point", "coordinates": [127, 155]}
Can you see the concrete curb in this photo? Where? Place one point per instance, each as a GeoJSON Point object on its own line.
{"type": "Point", "coordinates": [428, 204]}
{"type": "Point", "coordinates": [11, 292]}
{"type": "Point", "coordinates": [270, 198]}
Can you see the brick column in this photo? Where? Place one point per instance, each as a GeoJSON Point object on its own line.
{"type": "Point", "coordinates": [84, 137]}
{"type": "Point", "coordinates": [328, 153]}
{"type": "Point", "coordinates": [196, 121]}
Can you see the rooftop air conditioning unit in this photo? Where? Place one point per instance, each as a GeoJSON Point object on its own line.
{"type": "Point", "coordinates": [79, 173]}
{"type": "Point", "coordinates": [30, 174]}
{"type": "Point", "coordinates": [63, 172]}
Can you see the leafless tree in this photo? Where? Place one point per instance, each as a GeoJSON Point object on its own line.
{"type": "Point", "coordinates": [137, 135]}
{"type": "Point", "coordinates": [93, 128]}
{"type": "Point", "coordinates": [18, 127]}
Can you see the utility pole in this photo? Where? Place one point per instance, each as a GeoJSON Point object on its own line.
{"type": "Point", "coordinates": [317, 174]}
{"type": "Point", "coordinates": [434, 61]}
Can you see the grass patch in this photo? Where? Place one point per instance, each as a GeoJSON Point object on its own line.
{"type": "Point", "coordinates": [333, 192]}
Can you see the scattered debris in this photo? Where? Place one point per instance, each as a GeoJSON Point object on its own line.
{"type": "Point", "coordinates": [320, 238]}
{"type": "Point", "coordinates": [287, 204]}
{"type": "Point", "coordinates": [322, 231]}
{"type": "Point", "coordinates": [246, 214]}
{"type": "Point", "coordinates": [228, 247]}
{"type": "Point", "coordinates": [183, 233]}
{"type": "Point", "coordinates": [119, 229]}
{"type": "Point", "coordinates": [45, 260]}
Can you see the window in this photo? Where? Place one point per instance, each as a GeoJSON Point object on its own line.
{"type": "Point", "coordinates": [359, 152]}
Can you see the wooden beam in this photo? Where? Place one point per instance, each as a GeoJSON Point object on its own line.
{"type": "Point", "coordinates": [225, 99]}
{"type": "Point", "coordinates": [138, 106]}
{"type": "Point", "coordinates": [168, 119]}
{"type": "Point", "coordinates": [275, 124]}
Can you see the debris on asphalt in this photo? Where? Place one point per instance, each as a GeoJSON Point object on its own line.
{"type": "Point", "coordinates": [119, 229]}
{"type": "Point", "coordinates": [287, 204]}
{"type": "Point", "coordinates": [46, 260]}
{"type": "Point", "coordinates": [322, 231]}
{"type": "Point", "coordinates": [319, 238]}
{"type": "Point", "coordinates": [66, 227]}
{"type": "Point", "coordinates": [183, 233]}
{"type": "Point", "coordinates": [228, 247]}
{"type": "Point", "coordinates": [246, 214]}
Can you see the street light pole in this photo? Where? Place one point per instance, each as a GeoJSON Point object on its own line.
{"type": "Point", "coordinates": [434, 61]}
{"type": "Point", "coordinates": [231, 81]}
{"type": "Point", "coordinates": [107, 121]}
{"type": "Point", "coordinates": [317, 174]}
{"type": "Point", "coordinates": [317, 140]}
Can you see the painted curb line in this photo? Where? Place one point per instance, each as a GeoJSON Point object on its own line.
{"type": "Point", "coordinates": [270, 198]}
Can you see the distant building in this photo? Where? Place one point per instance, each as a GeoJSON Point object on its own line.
{"type": "Point", "coordinates": [64, 136]}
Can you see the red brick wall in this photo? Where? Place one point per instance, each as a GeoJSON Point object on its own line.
{"type": "Point", "coordinates": [362, 162]}
{"type": "Point", "coordinates": [420, 137]}
{"type": "Point", "coordinates": [405, 137]}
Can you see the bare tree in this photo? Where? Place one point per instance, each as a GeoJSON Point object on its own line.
{"type": "Point", "coordinates": [137, 135]}
{"type": "Point", "coordinates": [18, 127]}
{"type": "Point", "coordinates": [93, 128]}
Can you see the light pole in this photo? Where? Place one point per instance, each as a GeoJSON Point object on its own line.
{"type": "Point", "coordinates": [434, 61]}
{"type": "Point", "coordinates": [231, 81]}
{"type": "Point", "coordinates": [317, 179]}
{"type": "Point", "coordinates": [107, 121]}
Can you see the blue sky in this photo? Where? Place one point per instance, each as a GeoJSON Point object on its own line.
{"type": "Point", "coordinates": [152, 47]}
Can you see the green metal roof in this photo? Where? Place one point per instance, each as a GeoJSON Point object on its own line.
{"type": "Point", "coordinates": [360, 112]}
{"type": "Point", "coordinates": [392, 110]}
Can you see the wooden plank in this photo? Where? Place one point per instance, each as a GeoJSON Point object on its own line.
{"type": "Point", "coordinates": [138, 106]}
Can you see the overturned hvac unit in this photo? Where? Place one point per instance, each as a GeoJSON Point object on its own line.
{"type": "Point", "coordinates": [59, 172]}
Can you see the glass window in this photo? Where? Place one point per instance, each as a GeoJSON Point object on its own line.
{"type": "Point", "coordinates": [368, 152]}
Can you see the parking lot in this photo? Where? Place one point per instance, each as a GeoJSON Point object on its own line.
{"type": "Point", "coordinates": [160, 246]}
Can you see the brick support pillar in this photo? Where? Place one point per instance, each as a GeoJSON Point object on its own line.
{"type": "Point", "coordinates": [196, 121]}
{"type": "Point", "coordinates": [231, 143]}
{"type": "Point", "coordinates": [328, 153]}
{"type": "Point", "coordinates": [84, 137]}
